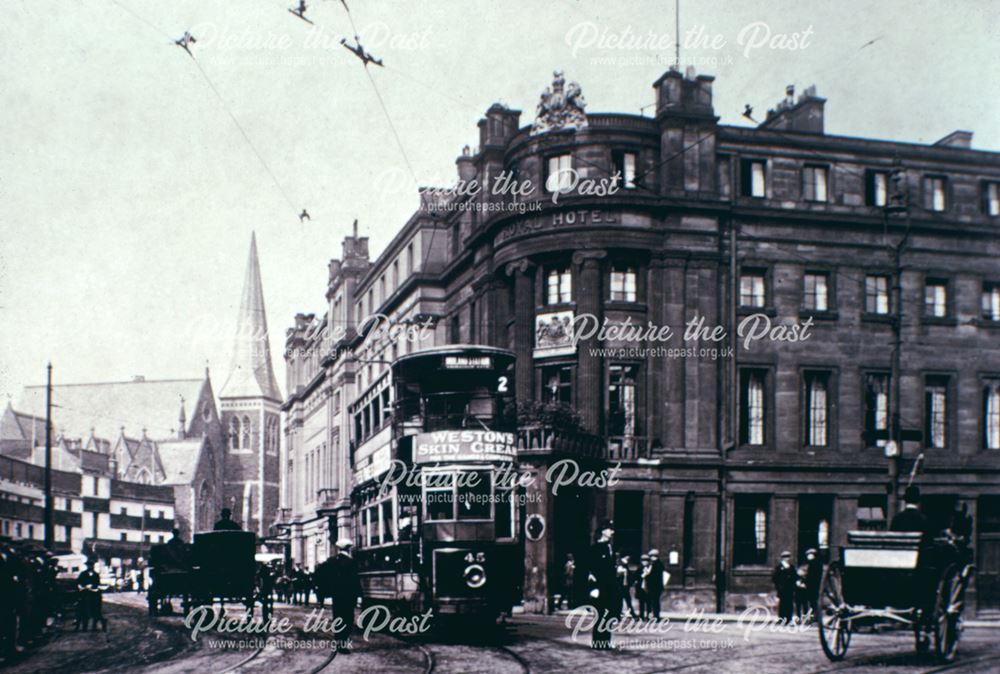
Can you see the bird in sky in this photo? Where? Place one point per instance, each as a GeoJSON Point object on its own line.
{"type": "Point", "coordinates": [300, 11]}
{"type": "Point", "coordinates": [360, 52]}
{"type": "Point", "coordinates": [748, 113]}
{"type": "Point", "coordinates": [304, 215]}
{"type": "Point", "coordinates": [870, 43]}
{"type": "Point", "coordinates": [185, 41]}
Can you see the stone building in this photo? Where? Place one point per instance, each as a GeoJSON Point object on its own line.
{"type": "Point", "coordinates": [796, 261]}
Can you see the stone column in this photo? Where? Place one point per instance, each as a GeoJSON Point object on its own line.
{"type": "Point", "coordinates": [589, 300]}
{"type": "Point", "coordinates": [524, 327]}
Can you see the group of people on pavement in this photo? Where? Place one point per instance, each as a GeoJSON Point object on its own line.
{"type": "Point", "coordinates": [637, 587]}
{"type": "Point", "coordinates": [646, 581]}
{"type": "Point", "coordinates": [611, 581]}
{"type": "Point", "coordinates": [797, 586]}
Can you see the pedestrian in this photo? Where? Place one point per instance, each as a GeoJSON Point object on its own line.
{"type": "Point", "coordinates": [814, 574]}
{"type": "Point", "coordinates": [226, 522]}
{"type": "Point", "coordinates": [603, 584]}
{"type": "Point", "coordinates": [569, 571]}
{"type": "Point", "coordinates": [784, 577]}
{"type": "Point", "coordinates": [624, 574]}
{"type": "Point", "coordinates": [89, 610]}
{"type": "Point", "coordinates": [658, 578]}
{"type": "Point", "coordinates": [642, 586]}
{"type": "Point", "coordinates": [341, 580]}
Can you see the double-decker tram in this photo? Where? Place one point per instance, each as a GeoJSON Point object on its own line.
{"type": "Point", "coordinates": [436, 508]}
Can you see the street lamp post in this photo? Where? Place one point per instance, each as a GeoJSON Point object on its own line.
{"type": "Point", "coordinates": [49, 524]}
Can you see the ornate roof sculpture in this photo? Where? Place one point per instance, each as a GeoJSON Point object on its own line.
{"type": "Point", "coordinates": [561, 107]}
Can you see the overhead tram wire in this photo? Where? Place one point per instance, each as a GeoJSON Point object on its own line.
{"type": "Point", "coordinates": [222, 101]}
{"type": "Point", "coordinates": [395, 133]}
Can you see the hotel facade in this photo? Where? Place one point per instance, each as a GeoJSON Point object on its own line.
{"type": "Point", "coordinates": [812, 321]}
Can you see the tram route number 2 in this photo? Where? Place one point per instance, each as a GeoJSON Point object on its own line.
{"type": "Point", "coordinates": [475, 557]}
{"type": "Point", "coordinates": [502, 384]}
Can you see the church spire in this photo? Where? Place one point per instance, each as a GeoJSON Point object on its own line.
{"type": "Point", "coordinates": [251, 374]}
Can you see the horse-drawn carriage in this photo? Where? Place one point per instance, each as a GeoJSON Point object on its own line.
{"type": "Point", "coordinates": [218, 566]}
{"type": "Point", "coordinates": [899, 578]}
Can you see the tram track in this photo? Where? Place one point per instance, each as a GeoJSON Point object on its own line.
{"type": "Point", "coordinates": [882, 659]}
{"type": "Point", "coordinates": [245, 661]}
{"type": "Point", "coordinates": [959, 664]}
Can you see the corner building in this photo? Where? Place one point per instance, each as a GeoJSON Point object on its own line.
{"type": "Point", "coordinates": [731, 451]}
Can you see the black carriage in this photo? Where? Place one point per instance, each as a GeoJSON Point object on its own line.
{"type": "Point", "coordinates": [898, 578]}
{"type": "Point", "coordinates": [219, 566]}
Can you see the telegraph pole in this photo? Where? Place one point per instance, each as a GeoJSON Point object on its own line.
{"type": "Point", "coordinates": [896, 202]}
{"type": "Point", "coordinates": [49, 530]}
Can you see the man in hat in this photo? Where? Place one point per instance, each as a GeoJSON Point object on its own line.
{"type": "Point", "coordinates": [813, 576]}
{"type": "Point", "coordinates": [226, 522]}
{"type": "Point", "coordinates": [784, 577]}
{"type": "Point", "coordinates": [910, 518]}
{"type": "Point", "coordinates": [604, 594]}
{"type": "Point", "coordinates": [89, 612]}
{"type": "Point", "coordinates": [338, 576]}
{"type": "Point", "coordinates": [657, 575]}
{"type": "Point", "coordinates": [642, 585]}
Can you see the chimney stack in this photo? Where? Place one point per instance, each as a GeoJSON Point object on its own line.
{"type": "Point", "coordinates": [687, 94]}
{"type": "Point", "coordinates": [804, 115]}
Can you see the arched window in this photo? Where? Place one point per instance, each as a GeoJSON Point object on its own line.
{"type": "Point", "coordinates": [142, 476]}
{"type": "Point", "coordinates": [204, 507]}
{"type": "Point", "coordinates": [271, 437]}
{"type": "Point", "coordinates": [234, 433]}
{"type": "Point", "coordinates": [245, 444]}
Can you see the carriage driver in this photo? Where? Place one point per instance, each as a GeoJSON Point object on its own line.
{"type": "Point", "coordinates": [226, 522]}
{"type": "Point", "coordinates": [910, 518]}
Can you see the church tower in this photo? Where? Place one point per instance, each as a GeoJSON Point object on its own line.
{"type": "Point", "coordinates": [249, 403]}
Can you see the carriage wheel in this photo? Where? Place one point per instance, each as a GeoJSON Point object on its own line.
{"type": "Point", "coordinates": [948, 613]}
{"type": "Point", "coordinates": [834, 630]}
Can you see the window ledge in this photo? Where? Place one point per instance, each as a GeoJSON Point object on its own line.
{"type": "Point", "coordinates": [559, 306]}
{"type": "Point", "coordinates": [752, 570]}
{"type": "Point", "coordinates": [829, 315]}
{"type": "Point", "coordinates": [986, 323]}
{"type": "Point", "coordinates": [869, 317]}
{"type": "Point", "coordinates": [770, 312]}
{"type": "Point", "coordinates": [940, 320]}
{"type": "Point", "coordinates": [624, 305]}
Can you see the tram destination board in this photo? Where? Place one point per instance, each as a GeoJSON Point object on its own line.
{"type": "Point", "coordinates": [466, 445]}
{"type": "Point", "coordinates": [467, 363]}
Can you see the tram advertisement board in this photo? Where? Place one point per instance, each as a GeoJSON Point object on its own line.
{"type": "Point", "coordinates": [465, 445]}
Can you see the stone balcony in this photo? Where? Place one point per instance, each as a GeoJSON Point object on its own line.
{"type": "Point", "coordinates": [543, 439]}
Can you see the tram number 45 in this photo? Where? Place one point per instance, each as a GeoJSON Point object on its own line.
{"type": "Point", "coordinates": [502, 383]}
{"type": "Point", "coordinates": [475, 557]}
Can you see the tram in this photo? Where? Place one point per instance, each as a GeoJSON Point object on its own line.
{"type": "Point", "coordinates": [436, 510]}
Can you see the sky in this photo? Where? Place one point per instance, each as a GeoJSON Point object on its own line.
{"type": "Point", "coordinates": [132, 175]}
